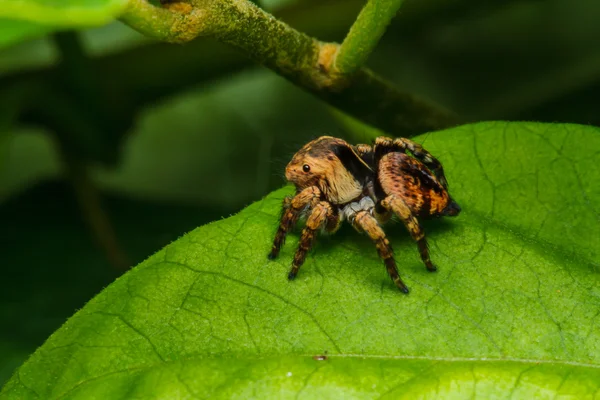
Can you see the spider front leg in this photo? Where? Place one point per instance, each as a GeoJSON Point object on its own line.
{"type": "Point", "coordinates": [292, 209]}
{"type": "Point", "coordinates": [399, 207]}
{"type": "Point", "coordinates": [384, 145]}
{"type": "Point", "coordinates": [367, 223]}
{"type": "Point", "coordinates": [322, 215]}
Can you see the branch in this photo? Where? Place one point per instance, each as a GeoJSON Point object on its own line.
{"type": "Point", "coordinates": [364, 34]}
{"type": "Point", "coordinates": [170, 24]}
{"type": "Point", "coordinates": [378, 103]}
{"type": "Point", "coordinates": [77, 78]}
{"type": "Point", "coordinates": [90, 205]}
{"type": "Point", "coordinates": [9, 104]}
{"type": "Point", "coordinates": [303, 60]}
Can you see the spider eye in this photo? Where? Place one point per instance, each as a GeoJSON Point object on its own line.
{"type": "Point", "coordinates": [306, 168]}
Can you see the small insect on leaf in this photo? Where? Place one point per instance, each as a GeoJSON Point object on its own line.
{"type": "Point", "coordinates": [320, 358]}
{"type": "Point", "coordinates": [364, 185]}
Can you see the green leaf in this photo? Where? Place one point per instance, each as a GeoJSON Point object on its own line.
{"type": "Point", "coordinates": [64, 13]}
{"type": "Point", "coordinates": [26, 19]}
{"type": "Point", "coordinates": [34, 226]}
{"type": "Point", "coordinates": [513, 310]}
{"type": "Point", "coordinates": [13, 31]}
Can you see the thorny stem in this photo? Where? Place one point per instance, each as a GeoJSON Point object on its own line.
{"type": "Point", "coordinates": [369, 27]}
{"type": "Point", "coordinates": [303, 60]}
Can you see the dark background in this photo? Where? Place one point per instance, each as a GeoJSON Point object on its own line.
{"type": "Point", "coordinates": [203, 132]}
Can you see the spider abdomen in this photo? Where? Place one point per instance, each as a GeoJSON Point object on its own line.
{"type": "Point", "coordinates": [406, 177]}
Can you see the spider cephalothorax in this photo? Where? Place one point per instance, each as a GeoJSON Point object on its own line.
{"type": "Point", "coordinates": [331, 165]}
{"type": "Point", "coordinates": [364, 185]}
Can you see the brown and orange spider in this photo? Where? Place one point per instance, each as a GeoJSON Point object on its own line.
{"type": "Point", "coordinates": [364, 185]}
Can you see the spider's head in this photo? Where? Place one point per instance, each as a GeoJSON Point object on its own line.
{"type": "Point", "coordinates": [332, 165]}
{"type": "Point", "coordinates": [310, 164]}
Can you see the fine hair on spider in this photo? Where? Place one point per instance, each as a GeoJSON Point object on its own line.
{"type": "Point", "coordinates": [365, 185]}
{"type": "Point", "coordinates": [289, 148]}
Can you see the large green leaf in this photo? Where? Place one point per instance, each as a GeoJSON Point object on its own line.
{"type": "Point", "coordinates": [34, 227]}
{"type": "Point", "coordinates": [25, 19]}
{"type": "Point", "coordinates": [12, 31]}
{"type": "Point", "coordinates": [513, 310]}
{"type": "Point", "coordinates": [62, 12]}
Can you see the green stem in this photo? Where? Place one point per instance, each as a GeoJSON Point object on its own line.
{"type": "Point", "coordinates": [269, 41]}
{"type": "Point", "coordinates": [175, 26]}
{"type": "Point", "coordinates": [9, 106]}
{"type": "Point", "coordinates": [364, 35]}
{"type": "Point", "coordinates": [378, 103]}
{"type": "Point", "coordinates": [93, 213]}
{"type": "Point", "coordinates": [301, 59]}
{"type": "Point", "coordinates": [76, 70]}
{"type": "Point", "coordinates": [79, 80]}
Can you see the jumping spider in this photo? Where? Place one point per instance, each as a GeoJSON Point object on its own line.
{"type": "Point", "coordinates": [365, 185]}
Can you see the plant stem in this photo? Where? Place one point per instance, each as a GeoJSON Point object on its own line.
{"type": "Point", "coordinates": [76, 69]}
{"type": "Point", "coordinates": [269, 41]}
{"type": "Point", "coordinates": [79, 80]}
{"type": "Point", "coordinates": [90, 205]}
{"type": "Point", "coordinates": [175, 25]}
{"type": "Point", "coordinates": [364, 35]}
{"type": "Point", "coordinates": [301, 59]}
{"type": "Point", "coordinates": [8, 115]}
{"type": "Point", "coordinates": [378, 103]}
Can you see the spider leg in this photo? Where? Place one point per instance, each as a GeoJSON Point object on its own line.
{"type": "Point", "coordinates": [367, 223]}
{"type": "Point", "coordinates": [363, 149]}
{"type": "Point", "coordinates": [399, 207]}
{"type": "Point", "coordinates": [384, 145]}
{"type": "Point", "coordinates": [291, 211]}
{"type": "Point", "coordinates": [365, 152]}
{"type": "Point", "coordinates": [322, 215]}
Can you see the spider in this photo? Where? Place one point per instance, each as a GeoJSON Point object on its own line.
{"type": "Point", "coordinates": [364, 185]}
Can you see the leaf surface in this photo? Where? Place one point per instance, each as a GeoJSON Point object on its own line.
{"type": "Point", "coordinates": [64, 13]}
{"type": "Point", "coordinates": [14, 31]}
{"type": "Point", "coordinates": [21, 20]}
{"type": "Point", "coordinates": [513, 310]}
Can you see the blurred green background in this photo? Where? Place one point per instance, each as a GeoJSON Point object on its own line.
{"type": "Point", "coordinates": [189, 134]}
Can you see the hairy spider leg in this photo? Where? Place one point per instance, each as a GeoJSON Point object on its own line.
{"type": "Point", "coordinates": [291, 211]}
{"type": "Point", "coordinates": [364, 221]}
{"type": "Point", "coordinates": [364, 150]}
{"type": "Point", "coordinates": [322, 215]}
{"type": "Point", "coordinates": [384, 145]}
{"type": "Point", "coordinates": [399, 207]}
